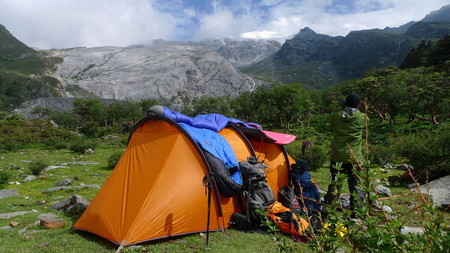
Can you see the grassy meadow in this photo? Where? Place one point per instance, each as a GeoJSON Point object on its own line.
{"type": "Point", "coordinates": [27, 236]}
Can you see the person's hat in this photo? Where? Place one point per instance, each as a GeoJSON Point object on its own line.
{"type": "Point", "coordinates": [352, 100]}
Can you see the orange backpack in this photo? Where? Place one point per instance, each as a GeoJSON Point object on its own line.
{"type": "Point", "coordinates": [286, 220]}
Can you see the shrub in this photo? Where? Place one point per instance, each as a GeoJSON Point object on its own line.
{"type": "Point", "coordinates": [381, 154]}
{"type": "Point", "coordinates": [37, 167]}
{"type": "Point", "coordinates": [4, 177]}
{"type": "Point", "coordinates": [316, 156]}
{"type": "Point", "coordinates": [114, 159]}
{"type": "Point", "coordinates": [80, 146]}
{"type": "Point", "coordinates": [428, 154]}
{"type": "Point", "coordinates": [89, 129]}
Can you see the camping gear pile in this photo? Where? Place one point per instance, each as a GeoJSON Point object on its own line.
{"type": "Point", "coordinates": [181, 175]}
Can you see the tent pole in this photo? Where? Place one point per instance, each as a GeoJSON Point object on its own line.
{"type": "Point", "coordinates": [208, 184]}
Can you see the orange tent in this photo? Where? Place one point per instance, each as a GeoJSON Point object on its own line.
{"type": "Point", "coordinates": [156, 189]}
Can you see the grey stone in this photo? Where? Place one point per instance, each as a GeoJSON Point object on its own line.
{"type": "Point", "coordinates": [387, 209]}
{"type": "Point", "coordinates": [405, 167]}
{"type": "Point", "coordinates": [439, 190]}
{"type": "Point", "coordinates": [6, 193]}
{"type": "Point", "coordinates": [383, 190]}
{"type": "Point", "coordinates": [49, 216]}
{"type": "Point", "coordinates": [6, 227]}
{"type": "Point", "coordinates": [54, 167]}
{"type": "Point", "coordinates": [77, 187]}
{"type": "Point", "coordinates": [65, 182]}
{"type": "Point", "coordinates": [411, 230]}
{"type": "Point", "coordinates": [14, 214]}
{"type": "Point", "coordinates": [388, 166]}
{"type": "Point", "coordinates": [29, 178]}
{"type": "Point", "coordinates": [74, 204]}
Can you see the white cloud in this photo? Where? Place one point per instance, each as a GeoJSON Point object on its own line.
{"type": "Point", "coordinates": [264, 34]}
{"type": "Point", "coordinates": [71, 23]}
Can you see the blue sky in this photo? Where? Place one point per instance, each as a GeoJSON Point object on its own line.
{"type": "Point", "coordinates": [48, 24]}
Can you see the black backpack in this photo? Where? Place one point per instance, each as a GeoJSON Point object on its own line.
{"type": "Point", "coordinates": [286, 196]}
{"type": "Point", "coordinates": [257, 194]}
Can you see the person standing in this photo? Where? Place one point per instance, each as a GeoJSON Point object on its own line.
{"type": "Point", "coordinates": [347, 146]}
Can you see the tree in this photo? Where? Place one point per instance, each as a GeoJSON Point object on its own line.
{"type": "Point", "coordinates": [220, 105]}
{"type": "Point", "coordinates": [89, 110]}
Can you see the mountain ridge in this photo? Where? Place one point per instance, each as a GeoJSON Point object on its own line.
{"type": "Point", "coordinates": [178, 72]}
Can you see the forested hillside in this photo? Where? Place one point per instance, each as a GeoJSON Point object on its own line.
{"type": "Point", "coordinates": [24, 72]}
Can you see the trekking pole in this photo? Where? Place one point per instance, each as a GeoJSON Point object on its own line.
{"type": "Point", "coordinates": [207, 182]}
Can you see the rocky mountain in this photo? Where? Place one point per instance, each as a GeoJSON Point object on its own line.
{"type": "Point", "coordinates": [178, 72]}
{"type": "Point", "coordinates": [170, 72]}
{"type": "Point", "coordinates": [319, 61]}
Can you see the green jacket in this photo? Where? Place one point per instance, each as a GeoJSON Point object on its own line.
{"type": "Point", "coordinates": [348, 130]}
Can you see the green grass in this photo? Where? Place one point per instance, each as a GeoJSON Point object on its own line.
{"type": "Point", "coordinates": [65, 239]}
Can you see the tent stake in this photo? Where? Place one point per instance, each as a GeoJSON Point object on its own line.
{"type": "Point", "coordinates": [120, 247]}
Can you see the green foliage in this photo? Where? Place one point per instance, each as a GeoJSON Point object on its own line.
{"type": "Point", "coordinates": [316, 156]}
{"type": "Point", "coordinates": [4, 177]}
{"type": "Point", "coordinates": [36, 167]}
{"type": "Point", "coordinates": [428, 154]}
{"type": "Point", "coordinates": [68, 120]}
{"type": "Point", "coordinates": [89, 110]}
{"type": "Point", "coordinates": [220, 105]}
{"type": "Point", "coordinates": [89, 128]}
{"type": "Point", "coordinates": [370, 230]}
{"type": "Point", "coordinates": [381, 154]}
{"type": "Point", "coordinates": [277, 107]}
{"type": "Point", "coordinates": [81, 145]}
{"type": "Point", "coordinates": [114, 158]}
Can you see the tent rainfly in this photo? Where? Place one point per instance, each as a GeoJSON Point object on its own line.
{"type": "Point", "coordinates": [157, 188]}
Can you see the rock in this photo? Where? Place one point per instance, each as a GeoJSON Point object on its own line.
{"type": "Point", "coordinates": [51, 224]}
{"type": "Point", "coordinates": [405, 167]}
{"type": "Point", "coordinates": [54, 167]}
{"type": "Point", "coordinates": [89, 151]}
{"type": "Point", "coordinates": [14, 214]}
{"type": "Point", "coordinates": [65, 182]}
{"type": "Point", "coordinates": [14, 167]}
{"type": "Point", "coordinates": [14, 224]}
{"type": "Point", "coordinates": [387, 209]}
{"type": "Point", "coordinates": [411, 230]}
{"type": "Point", "coordinates": [5, 227]}
{"type": "Point", "coordinates": [58, 188]}
{"type": "Point", "coordinates": [388, 166]}
{"type": "Point", "coordinates": [439, 190]}
{"type": "Point", "coordinates": [29, 178]}
{"type": "Point", "coordinates": [73, 205]}
{"type": "Point", "coordinates": [49, 216]}
{"type": "Point", "coordinates": [383, 190]}
{"type": "Point", "coordinates": [6, 193]}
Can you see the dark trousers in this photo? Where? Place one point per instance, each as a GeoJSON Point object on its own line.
{"type": "Point", "coordinates": [352, 180]}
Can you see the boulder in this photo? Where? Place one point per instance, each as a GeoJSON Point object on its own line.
{"type": "Point", "coordinates": [65, 182]}
{"type": "Point", "coordinates": [383, 190]}
{"type": "Point", "coordinates": [411, 230]}
{"type": "Point", "coordinates": [439, 190]}
{"type": "Point", "coordinates": [58, 188]}
{"type": "Point", "coordinates": [14, 214]}
{"type": "Point", "coordinates": [29, 178]}
{"type": "Point", "coordinates": [6, 193]}
{"type": "Point", "coordinates": [73, 205]}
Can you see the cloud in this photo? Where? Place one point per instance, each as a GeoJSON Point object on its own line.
{"type": "Point", "coordinates": [72, 23]}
